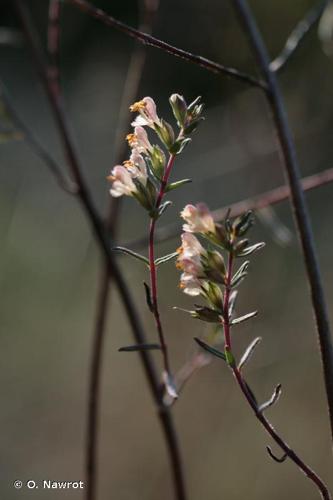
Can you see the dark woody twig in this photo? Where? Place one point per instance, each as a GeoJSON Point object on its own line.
{"type": "Point", "coordinates": [298, 34]}
{"type": "Point", "coordinates": [131, 86]}
{"type": "Point", "coordinates": [166, 47]}
{"type": "Point", "coordinates": [53, 38]}
{"type": "Point", "coordinates": [300, 211]}
{"type": "Point", "coordinates": [103, 239]}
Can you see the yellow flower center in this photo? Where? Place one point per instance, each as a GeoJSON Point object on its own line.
{"type": "Point", "coordinates": [131, 139]}
{"type": "Point", "coordinates": [128, 164]}
{"type": "Point", "coordinates": [137, 106]}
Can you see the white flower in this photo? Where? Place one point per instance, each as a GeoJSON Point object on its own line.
{"type": "Point", "coordinates": [137, 166]}
{"type": "Point", "coordinates": [190, 254]}
{"type": "Point", "coordinates": [191, 245]}
{"type": "Point", "coordinates": [189, 261]}
{"type": "Point", "coordinates": [139, 140]}
{"type": "Point", "coordinates": [198, 218]}
{"type": "Point", "coordinates": [122, 183]}
{"type": "Point", "coordinates": [147, 113]}
{"type": "Point", "coordinates": [190, 284]}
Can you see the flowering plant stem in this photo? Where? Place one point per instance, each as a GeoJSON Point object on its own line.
{"type": "Point", "coordinates": [152, 265]}
{"type": "Point", "coordinates": [249, 396]}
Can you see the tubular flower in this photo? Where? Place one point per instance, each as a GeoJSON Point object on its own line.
{"type": "Point", "coordinates": [147, 113]}
{"type": "Point", "coordinates": [190, 284]}
{"type": "Point", "coordinates": [122, 176]}
{"type": "Point", "coordinates": [189, 261]}
{"type": "Point", "coordinates": [136, 166]}
{"type": "Point", "coordinates": [122, 183]}
{"type": "Point", "coordinates": [139, 140]}
{"type": "Point", "coordinates": [190, 254]}
{"type": "Point", "coordinates": [198, 219]}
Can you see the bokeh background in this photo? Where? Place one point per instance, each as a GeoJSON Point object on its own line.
{"type": "Point", "coordinates": [50, 264]}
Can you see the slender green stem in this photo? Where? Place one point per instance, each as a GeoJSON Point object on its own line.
{"type": "Point", "coordinates": [152, 266]}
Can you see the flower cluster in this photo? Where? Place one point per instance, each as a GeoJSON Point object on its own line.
{"type": "Point", "coordinates": [204, 269]}
{"type": "Point", "coordinates": [142, 175]}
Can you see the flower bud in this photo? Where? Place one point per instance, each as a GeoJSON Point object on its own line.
{"type": "Point", "coordinates": [243, 223]}
{"type": "Point", "coordinates": [157, 161]}
{"type": "Point", "coordinates": [179, 108]}
{"type": "Point", "coordinates": [216, 261]}
{"type": "Point", "coordinates": [214, 295]}
{"type": "Point", "coordinates": [165, 133]}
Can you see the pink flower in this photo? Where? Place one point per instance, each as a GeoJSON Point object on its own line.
{"type": "Point", "coordinates": [191, 245]}
{"type": "Point", "coordinates": [198, 218]}
{"type": "Point", "coordinates": [189, 261]}
{"type": "Point", "coordinates": [122, 183]}
{"type": "Point", "coordinates": [122, 175]}
{"type": "Point", "coordinates": [147, 113]}
{"type": "Point", "coordinates": [190, 253]}
{"type": "Point", "coordinates": [190, 284]}
{"type": "Point", "coordinates": [139, 140]}
{"type": "Point", "coordinates": [136, 165]}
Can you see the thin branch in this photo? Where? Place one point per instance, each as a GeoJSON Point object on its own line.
{"type": "Point", "coordinates": [53, 39]}
{"type": "Point", "coordinates": [259, 202]}
{"type": "Point", "coordinates": [94, 388]}
{"type": "Point", "coordinates": [300, 211]}
{"type": "Point", "coordinates": [152, 267]}
{"type": "Point", "coordinates": [249, 395]}
{"type": "Point", "coordinates": [131, 87]}
{"type": "Point", "coordinates": [104, 241]}
{"type": "Point", "coordinates": [35, 144]}
{"type": "Point", "coordinates": [298, 34]}
{"type": "Point", "coordinates": [159, 44]}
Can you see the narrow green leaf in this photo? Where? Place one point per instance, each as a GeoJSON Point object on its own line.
{"type": "Point", "coordinates": [243, 223]}
{"type": "Point", "coordinates": [240, 274]}
{"type": "Point", "coordinates": [250, 250]}
{"type": "Point", "coordinates": [210, 349]}
{"type": "Point", "coordinates": [274, 398]}
{"type": "Point", "coordinates": [194, 103]}
{"type": "Point", "coordinates": [177, 184]}
{"type": "Point", "coordinates": [140, 347]}
{"type": "Point", "coordinates": [179, 146]}
{"type": "Point", "coordinates": [165, 258]}
{"type": "Point", "coordinates": [164, 207]}
{"type": "Point", "coordinates": [279, 460]}
{"type": "Point", "coordinates": [148, 297]}
{"type": "Point", "coordinates": [236, 321]}
{"type": "Point", "coordinates": [248, 353]}
{"type": "Point", "coordinates": [207, 314]}
{"type": "Point", "coordinates": [129, 252]}
{"type": "Point", "coordinates": [232, 302]}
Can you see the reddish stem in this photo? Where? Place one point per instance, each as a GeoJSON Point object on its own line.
{"type": "Point", "coordinates": [247, 392]}
{"type": "Point", "coordinates": [152, 266]}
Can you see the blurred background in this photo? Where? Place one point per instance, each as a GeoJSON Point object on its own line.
{"type": "Point", "coordinates": [50, 266]}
